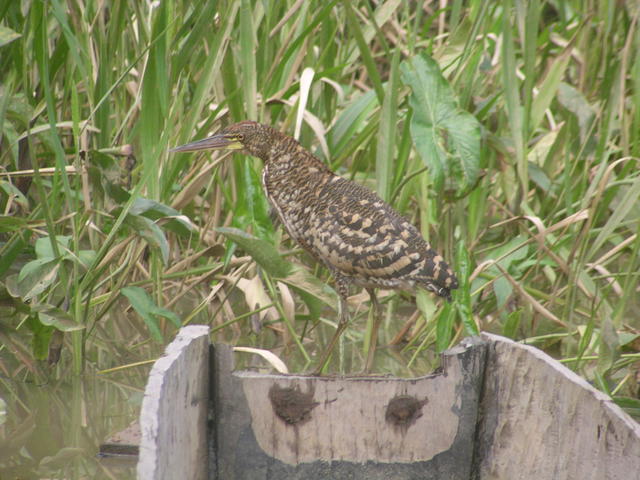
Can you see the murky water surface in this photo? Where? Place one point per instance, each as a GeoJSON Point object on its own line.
{"type": "Point", "coordinates": [54, 430]}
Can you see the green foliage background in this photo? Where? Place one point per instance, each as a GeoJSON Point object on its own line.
{"type": "Point", "coordinates": [508, 131]}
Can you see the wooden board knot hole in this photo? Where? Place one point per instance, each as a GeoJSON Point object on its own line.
{"type": "Point", "coordinates": [404, 410]}
{"type": "Point", "coordinates": [291, 405]}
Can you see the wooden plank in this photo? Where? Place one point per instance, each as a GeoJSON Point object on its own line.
{"type": "Point", "coordinates": [296, 427]}
{"type": "Point", "coordinates": [541, 420]}
{"type": "Point", "coordinates": [125, 442]}
{"type": "Point", "coordinates": [173, 420]}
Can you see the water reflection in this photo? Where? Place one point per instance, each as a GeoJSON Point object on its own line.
{"type": "Point", "coordinates": [54, 430]}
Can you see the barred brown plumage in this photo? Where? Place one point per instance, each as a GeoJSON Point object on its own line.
{"type": "Point", "coordinates": [360, 238]}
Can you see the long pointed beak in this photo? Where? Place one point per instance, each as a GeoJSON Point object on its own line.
{"type": "Point", "coordinates": [213, 142]}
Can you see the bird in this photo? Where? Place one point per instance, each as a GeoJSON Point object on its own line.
{"type": "Point", "coordinates": [359, 237]}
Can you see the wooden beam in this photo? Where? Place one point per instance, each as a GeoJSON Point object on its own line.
{"type": "Point", "coordinates": [173, 419]}
{"type": "Point", "coordinates": [123, 443]}
{"type": "Point", "coordinates": [499, 410]}
{"type": "Point", "coordinates": [541, 420]}
{"type": "Point", "coordinates": [286, 427]}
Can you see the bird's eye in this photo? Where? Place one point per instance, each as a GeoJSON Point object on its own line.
{"type": "Point", "coordinates": [240, 137]}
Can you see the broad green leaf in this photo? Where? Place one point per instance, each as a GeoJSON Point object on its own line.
{"type": "Point", "coordinates": [86, 257]}
{"type": "Point", "coordinates": [20, 109]}
{"type": "Point", "coordinates": [157, 210]}
{"type": "Point", "coordinates": [55, 317]}
{"type": "Point", "coordinates": [260, 250]}
{"type": "Point", "coordinates": [151, 232]}
{"type": "Point", "coordinates": [314, 305]}
{"type": "Point", "coordinates": [513, 251]}
{"type": "Point", "coordinates": [178, 223]}
{"type": "Point", "coordinates": [446, 137]}
{"type": "Point", "coordinates": [36, 276]}
{"type": "Point", "coordinates": [44, 250]}
{"type": "Point", "coordinates": [144, 305]}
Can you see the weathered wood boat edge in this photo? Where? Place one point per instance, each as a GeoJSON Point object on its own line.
{"type": "Point", "coordinates": [297, 452]}
{"type": "Point", "coordinates": [173, 417]}
{"type": "Point", "coordinates": [533, 418]}
{"type": "Point", "coordinates": [539, 419]}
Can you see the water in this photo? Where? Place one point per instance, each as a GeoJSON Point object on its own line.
{"type": "Point", "coordinates": [54, 430]}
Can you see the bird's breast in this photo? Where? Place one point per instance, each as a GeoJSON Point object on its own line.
{"type": "Point", "coordinates": [292, 191]}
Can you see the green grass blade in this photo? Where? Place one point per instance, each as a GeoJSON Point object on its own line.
{"type": "Point", "coordinates": [387, 133]}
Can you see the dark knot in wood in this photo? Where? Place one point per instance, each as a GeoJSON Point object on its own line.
{"type": "Point", "coordinates": [404, 410]}
{"type": "Point", "coordinates": [291, 405]}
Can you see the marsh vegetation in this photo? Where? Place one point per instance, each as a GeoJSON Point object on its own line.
{"type": "Point", "coordinates": [508, 132]}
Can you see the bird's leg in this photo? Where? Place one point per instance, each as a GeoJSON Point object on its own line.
{"type": "Point", "coordinates": [377, 317]}
{"type": "Point", "coordinates": [343, 292]}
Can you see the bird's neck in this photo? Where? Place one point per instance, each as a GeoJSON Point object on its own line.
{"type": "Point", "coordinates": [287, 153]}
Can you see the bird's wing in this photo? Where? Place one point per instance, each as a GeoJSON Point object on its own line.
{"type": "Point", "coordinates": [358, 234]}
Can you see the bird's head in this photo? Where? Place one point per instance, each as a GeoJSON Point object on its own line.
{"type": "Point", "coordinates": [251, 137]}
